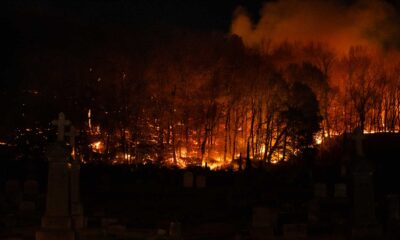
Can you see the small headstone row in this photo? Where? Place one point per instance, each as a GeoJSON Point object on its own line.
{"type": "Point", "coordinates": [190, 180]}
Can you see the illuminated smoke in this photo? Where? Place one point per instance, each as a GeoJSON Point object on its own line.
{"type": "Point", "coordinates": [370, 23]}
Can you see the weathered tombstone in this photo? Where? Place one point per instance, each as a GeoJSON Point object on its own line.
{"type": "Point", "coordinates": [263, 222]}
{"type": "Point", "coordinates": [201, 181]}
{"type": "Point", "coordinates": [12, 187]}
{"type": "Point", "coordinates": [295, 231]}
{"type": "Point", "coordinates": [175, 231]}
{"type": "Point", "coordinates": [108, 221]}
{"type": "Point", "coordinates": [314, 209]}
{"type": "Point", "coordinates": [188, 179]}
{"type": "Point", "coordinates": [320, 190]}
{"type": "Point", "coordinates": [78, 219]}
{"type": "Point", "coordinates": [393, 208]}
{"type": "Point", "coordinates": [27, 207]}
{"type": "Point", "coordinates": [13, 193]}
{"type": "Point", "coordinates": [365, 223]}
{"type": "Point", "coordinates": [393, 218]}
{"type": "Point", "coordinates": [56, 223]}
{"type": "Point", "coordinates": [340, 191]}
{"type": "Point", "coordinates": [31, 188]}
{"type": "Point", "coordinates": [61, 122]}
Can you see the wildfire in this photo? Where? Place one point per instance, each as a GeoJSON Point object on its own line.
{"type": "Point", "coordinates": [97, 146]}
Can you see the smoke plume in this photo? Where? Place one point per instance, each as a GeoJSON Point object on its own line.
{"type": "Point", "coordinates": [371, 23]}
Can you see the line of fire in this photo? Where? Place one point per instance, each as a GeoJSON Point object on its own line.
{"type": "Point", "coordinates": [206, 99]}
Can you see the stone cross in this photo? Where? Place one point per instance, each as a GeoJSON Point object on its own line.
{"type": "Point", "coordinates": [61, 122]}
{"type": "Point", "coordinates": [358, 138]}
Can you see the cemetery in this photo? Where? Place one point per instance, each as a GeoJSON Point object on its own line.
{"type": "Point", "coordinates": [75, 201]}
{"type": "Point", "coordinates": [200, 120]}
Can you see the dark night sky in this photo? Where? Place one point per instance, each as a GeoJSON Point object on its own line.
{"type": "Point", "coordinates": [40, 24]}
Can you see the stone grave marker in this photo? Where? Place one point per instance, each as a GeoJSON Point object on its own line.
{"type": "Point", "coordinates": [78, 219]}
{"type": "Point", "coordinates": [340, 190]}
{"type": "Point", "coordinates": [295, 231]}
{"type": "Point", "coordinates": [27, 207]}
{"type": "Point", "coordinates": [12, 187]}
{"type": "Point", "coordinates": [188, 179]}
{"type": "Point", "coordinates": [393, 207]}
{"type": "Point", "coordinates": [263, 222]}
{"type": "Point", "coordinates": [175, 231]}
{"type": "Point", "coordinates": [31, 188]}
{"type": "Point", "coordinates": [393, 218]}
{"type": "Point", "coordinates": [320, 190]}
{"type": "Point", "coordinates": [365, 222]}
{"type": "Point", "coordinates": [201, 181]}
{"type": "Point", "coordinates": [314, 209]}
{"type": "Point", "coordinates": [61, 123]}
{"type": "Point", "coordinates": [13, 195]}
{"type": "Point", "coordinates": [108, 221]}
{"type": "Point", "coordinates": [56, 223]}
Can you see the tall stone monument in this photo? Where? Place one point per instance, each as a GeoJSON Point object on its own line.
{"type": "Point", "coordinates": [56, 223]}
{"type": "Point", "coordinates": [78, 220]}
{"type": "Point", "coordinates": [365, 223]}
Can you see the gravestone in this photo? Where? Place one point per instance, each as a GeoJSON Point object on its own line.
{"type": "Point", "coordinates": [365, 223]}
{"type": "Point", "coordinates": [320, 190]}
{"type": "Point", "coordinates": [56, 223]}
{"type": "Point", "coordinates": [340, 191]}
{"type": "Point", "coordinates": [188, 179]}
{"type": "Point", "coordinates": [201, 181]}
{"type": "Point", "coordinates": [78, 220]}
{"type": "Point", "coordinates": [295, 231]}
{"type": "Point", "coordinates": [61, 123]}
{"type": "Point", "coordinates": [175, 231]}
{"type": "Point", "coordinates": [31, 188]}
{"type": "Point", "coordinates": [314, 209]}
{"type": "Point", "coordinates": [393, 208]}
{"type": "Point", "coordinates": [393, 217]}
{"type": "Point", "coordinates": [13, 194]}
{"type": "Point", "coordinates": [263, 222]}
{"type": "Point", "coordinates": [27, 207]}
{"type": "Point", "coordinates": [12, 187]}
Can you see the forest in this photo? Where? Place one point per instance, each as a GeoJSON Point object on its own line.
{"type": "Point", "coordinates": [204, 98]}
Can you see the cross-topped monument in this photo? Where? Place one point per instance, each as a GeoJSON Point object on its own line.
{"type": "Point", "coordinates": [358, 138]}
{"type": "Point", "coordinates": [61, 122]}
{"type": "Point", "coordinates": [63, 209]}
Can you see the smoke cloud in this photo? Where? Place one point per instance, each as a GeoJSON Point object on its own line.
{"type": "Point", "coordinates": [371, 23]}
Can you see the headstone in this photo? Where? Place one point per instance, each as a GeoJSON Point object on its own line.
{"type": "Point", "coordinates": [295, 231]}
{"type": "Point", "coordinates": [13, 193]}
{"type": "Point", "coordinates": [314, 209]}
{"type": "Point", "coordinates": [365, 223]}
{"type": "Point", "coordinates": [340, 190]}
{"type": "Point", "coordinates": [320, 190]}
{"type": "Point", "coordinates": [56, 223]}
{"type": "Point", "coordinates": [61, 122]}
{"type": "Point", "coordinates": [78, 220]}
{"type": "Point", "coordinates": [12, 187]}
{"type": "Point", "coordinates": [200, 181]}
{"type": "Point", "coordinates": [31, 188]}
{"type": "Point", "coordinates": [108, 221]}
{"type": "Point", "coordinates": [393, 208]}
{"type": "Point", "coordinates": [27, 207]}
{"type": "Point", "coordinates": [263, 222]}
{"type": "Point", "coordinates": [175, 231]}
{"type": "Point", "coordinates": [188, 179]}
{"type": "Point", "coordinates": [393, 218]}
